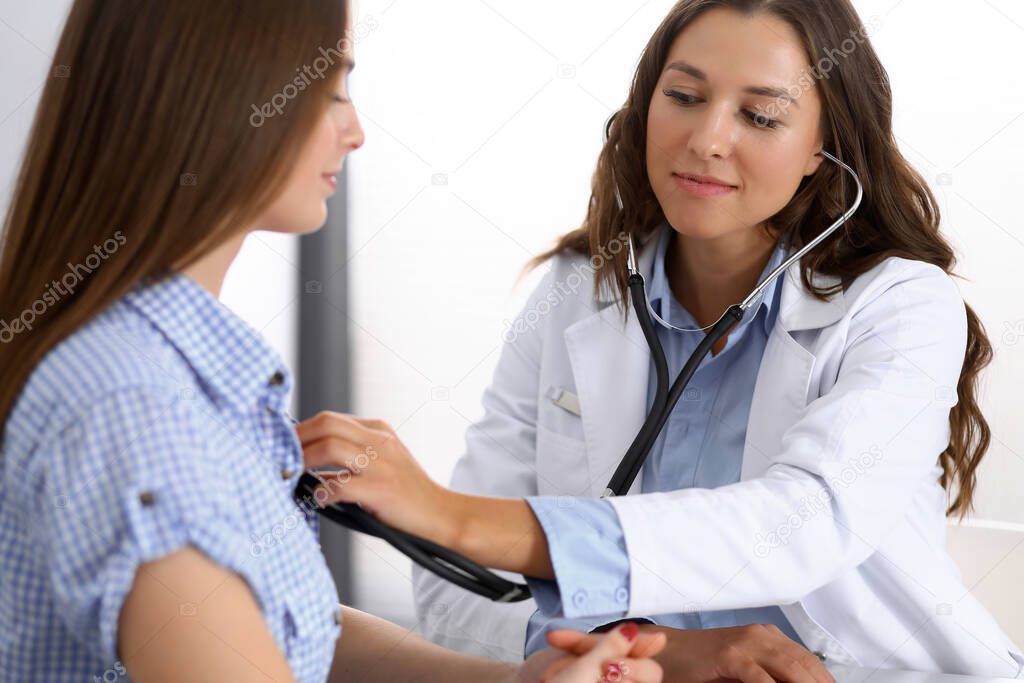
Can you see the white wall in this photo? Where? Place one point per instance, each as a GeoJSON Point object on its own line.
{"type": "Point", "coordinates": [508, 99]}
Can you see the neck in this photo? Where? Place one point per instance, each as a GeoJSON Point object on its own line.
{"type": "Point", "coordinates": [708, 276]}
{"type": "Point", "coordinates": [210, 270]}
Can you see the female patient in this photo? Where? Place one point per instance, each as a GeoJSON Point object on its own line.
{"type": "Point", "coordinates": [145, 439]}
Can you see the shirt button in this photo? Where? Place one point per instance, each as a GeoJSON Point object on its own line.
{"type": "Point", "coordinates": [622, 595]}
{"type": "Point", "coordinates": [579, 598]}
{"type": "Point", "coordinates": [286, 474]}
{"type": "Point", "coordinates": [277, 380]}
{"type": "Point", "coordinates": [270, 411]}
{"type": "Point", "coordinates": [820, 655]}
{"type": "Point", "coordinates": [147, 498]}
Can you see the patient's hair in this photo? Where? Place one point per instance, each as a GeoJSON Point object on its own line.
{"type": "Point", "coordinates": [898, 217]}
{"type": "Point", "coordinates": [165, 129]}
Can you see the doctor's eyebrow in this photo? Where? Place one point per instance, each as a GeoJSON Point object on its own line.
{"type": "Point", "coordinates": [765, 90]}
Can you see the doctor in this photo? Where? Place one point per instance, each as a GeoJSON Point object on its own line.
{"type": "Point", "coordinates": [799, 491]}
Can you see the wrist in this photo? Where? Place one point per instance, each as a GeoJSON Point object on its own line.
{"type": "Point", "coordinates": [451, 529]}
{"type": "Point", "coordinates": [505, 673]}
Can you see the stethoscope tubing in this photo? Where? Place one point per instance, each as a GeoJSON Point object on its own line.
{"type": "Point", "coordinates": [471, 576]}
{"type": "Point", "coordinates": [446, 563]}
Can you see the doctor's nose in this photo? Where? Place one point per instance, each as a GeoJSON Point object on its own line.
{"type": "Point", "coordinates": [714, 136]}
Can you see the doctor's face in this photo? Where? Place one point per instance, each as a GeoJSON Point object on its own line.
{"type": "Point", "coordinates": [713, 113]}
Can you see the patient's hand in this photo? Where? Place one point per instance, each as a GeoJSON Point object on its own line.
{"type": "Point", "coordinates": [613, 657]}
{"type": "Point", "coordinates": [752, 654]}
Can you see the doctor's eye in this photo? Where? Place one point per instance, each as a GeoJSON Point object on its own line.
{"type": "Point", "coordinates": [761, 121]}
{"type": "Point", "coordinates": [756, 119]}
{"type": "Point", "coordinates": [681, 98]}
{"type": "Point", "coordinates": [340, 99]}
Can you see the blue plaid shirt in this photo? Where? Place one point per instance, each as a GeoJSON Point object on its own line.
{"type": "Point", "coordinates": [158, 425]}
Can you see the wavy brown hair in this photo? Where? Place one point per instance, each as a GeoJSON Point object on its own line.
{"type": "Point", "coordinates": [166, 129]}
{"type": "Point", "coordinates": [898, 216]}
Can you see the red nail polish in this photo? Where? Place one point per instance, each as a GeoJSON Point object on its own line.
{"type": "Point", "coordinates": [612, 673]}
{"type": "Point", "coordinates": [630, 631]}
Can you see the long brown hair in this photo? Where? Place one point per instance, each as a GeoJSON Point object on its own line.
{"type": "Point", "coordinates": [167, 127]}
{"type": "Point", "coordinates": [898, 216]}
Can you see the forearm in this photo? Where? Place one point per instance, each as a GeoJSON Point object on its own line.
{"type": "Point", "coordinates": [372, 649]}
{"type": "Point", "coordinates": [501, 533]}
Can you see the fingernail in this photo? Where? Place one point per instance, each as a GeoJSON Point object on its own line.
{"type": "Point", "coordinates": [629, 631]}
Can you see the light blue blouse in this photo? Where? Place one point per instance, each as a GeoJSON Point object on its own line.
{"type": "Point", "coordinates": [701, 446]}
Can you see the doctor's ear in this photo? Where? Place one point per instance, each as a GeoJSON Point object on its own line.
{"type": "Point", "coordinates": [813, 163]}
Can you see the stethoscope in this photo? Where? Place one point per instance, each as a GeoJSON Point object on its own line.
{"type": "Point", "coordinates": [467, 574]}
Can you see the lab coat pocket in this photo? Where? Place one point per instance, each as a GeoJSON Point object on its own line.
{"type": "Point", "coordinates": [562, 467]}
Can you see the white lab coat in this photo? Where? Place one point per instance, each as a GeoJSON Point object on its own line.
{"type": "Point", "coordinates": [838, 516]}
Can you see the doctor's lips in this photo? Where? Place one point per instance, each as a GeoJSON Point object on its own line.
{"type": "Point", "coordinates": [702, 185]}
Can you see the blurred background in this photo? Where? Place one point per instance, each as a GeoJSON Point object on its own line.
{"type": "Point", "coordinates": [483, 121]}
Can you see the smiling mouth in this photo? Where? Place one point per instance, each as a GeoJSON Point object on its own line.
{"type": "Point", "coordinates": [702, 190]}
{"type": "Point", "coordinates": [702, 180]}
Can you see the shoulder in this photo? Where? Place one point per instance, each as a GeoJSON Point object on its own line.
{"type": "Point", "coordinates": [899, 311]}
{"type": "Point", "coordinates": [117, 354]}
{"type": "Point", "coordinates": [911, 291]}
{"type": "Point", "coordinates": [571, 279]}
{"type": "Point", "coordinates": [901, 274]}
{"type": "Point", "coordinates": [564, 295]}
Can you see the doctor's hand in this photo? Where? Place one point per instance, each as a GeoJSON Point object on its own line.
{"type": "Point", "coordinates": [379, 473]}
{"type": "Point", "coordinates": [620, 656]}
{"type": "Point", "coordinates": [382, 477]}
{"type": "Point", "coordinates": [753, 654]}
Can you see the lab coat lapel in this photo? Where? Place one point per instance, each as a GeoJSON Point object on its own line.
{"type": "Point", "coordinates": [783, 381]}
{"type": "Point", "coordinates": [610, 364]}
